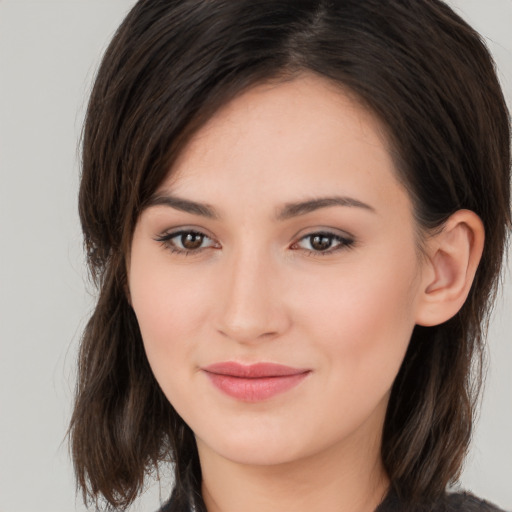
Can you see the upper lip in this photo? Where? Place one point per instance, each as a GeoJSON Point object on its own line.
{"type": "Point", "coordinates": [253, 371]}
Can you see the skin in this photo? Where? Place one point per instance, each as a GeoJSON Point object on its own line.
{"type": "Point", "coordinates": [258, 289]}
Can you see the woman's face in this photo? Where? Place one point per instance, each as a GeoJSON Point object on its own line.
{"type": "Point", "coordinates": [282, 237]}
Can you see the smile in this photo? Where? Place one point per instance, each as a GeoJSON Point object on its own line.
{"type": "Point", "coordinates": [256, 382]}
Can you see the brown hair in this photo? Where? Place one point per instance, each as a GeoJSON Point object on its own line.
{"type": "Point", "coordinates": [430, 79]}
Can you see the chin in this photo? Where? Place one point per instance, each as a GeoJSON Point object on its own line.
{"type": "Point", "coordinates": [258, 448]}
{"type": "Point", "coordinates": [260, 456]}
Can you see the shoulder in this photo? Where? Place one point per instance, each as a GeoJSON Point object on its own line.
{"type": "Point", "coordinates": [448, 502]}
{"type": "Point", "coordinates": [467, 502]}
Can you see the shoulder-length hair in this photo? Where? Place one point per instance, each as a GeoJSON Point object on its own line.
{"type": "Point", "coordinates": [421, 70]}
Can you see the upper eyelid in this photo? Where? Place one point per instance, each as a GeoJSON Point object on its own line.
{"type": "Point", "coordinates": [336, 232]}
{"type": "Point", "coordinates": [327, 234]}
{"type": "Point", "coordinates": [172, 232]}
{"type": "Point", "coordinates": [297, 236]}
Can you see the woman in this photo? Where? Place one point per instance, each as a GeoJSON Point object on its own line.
{"type": "Point", "coordinates": [296, 214]}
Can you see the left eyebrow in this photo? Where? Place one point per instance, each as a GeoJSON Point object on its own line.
{"type": "Point", "coordinates": [303, 207]}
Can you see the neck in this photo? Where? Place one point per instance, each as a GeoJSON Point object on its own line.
{"type": "Point", "coordinates": [345, 478]}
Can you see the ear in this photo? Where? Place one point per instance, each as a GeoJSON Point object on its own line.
{"type": "Point", "coordinates": [453, 256]}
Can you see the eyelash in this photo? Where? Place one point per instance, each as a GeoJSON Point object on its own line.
{"type": "Point", "coordinates": [343, 242]}
{"type": "Point", "coordinates": [166, 241]}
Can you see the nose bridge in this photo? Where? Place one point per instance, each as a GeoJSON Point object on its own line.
{"type": "Point", "coordinates": [251, 307]}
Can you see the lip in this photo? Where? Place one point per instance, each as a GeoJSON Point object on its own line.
{"type": "Point", "coordinates": [254, 382]}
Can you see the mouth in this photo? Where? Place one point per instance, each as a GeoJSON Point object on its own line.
{"type": "Point", "coordinates": [255, 382]}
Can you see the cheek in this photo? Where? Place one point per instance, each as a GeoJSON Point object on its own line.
{"type": "Point", "coordinates": [165, 304]}
{"type": "Point", "coordinates": [363, 319]}
{"type": "Point", "coordinates": [168, 305]}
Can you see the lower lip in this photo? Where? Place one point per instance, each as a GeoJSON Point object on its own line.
{"type": "Point", "coordinates": [255, 389]}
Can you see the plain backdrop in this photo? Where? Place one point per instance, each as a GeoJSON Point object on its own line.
{"type": "Point", "coordinates": [49, 52]}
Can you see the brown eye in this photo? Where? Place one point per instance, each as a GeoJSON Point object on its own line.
{"type": "Point", "coordinates": [321, 242]}
{"type": "Point", "coordinates": [191, 241]}
{"type": "Point", "coordinates": [186, 242]}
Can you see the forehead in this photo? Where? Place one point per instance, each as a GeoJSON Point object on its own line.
{"type": "Point", "coordinates": [300, 137]}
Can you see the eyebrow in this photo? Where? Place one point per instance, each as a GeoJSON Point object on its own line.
{"type": "Point", "coordinates": [288, 211]}
{"type": "Point", "coordinates": [302, 207]}
{"type": "Point", "coordinates": [184, 205]}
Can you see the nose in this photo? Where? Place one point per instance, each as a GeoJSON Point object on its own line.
{"type": "Point", "coordinates": [252, 305]}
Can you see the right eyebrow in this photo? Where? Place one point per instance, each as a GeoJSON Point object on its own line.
{"type": "Point", "coordinates": [184, 205]}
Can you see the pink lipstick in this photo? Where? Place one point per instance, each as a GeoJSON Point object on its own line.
{"type": "Point", "coordinates": [255, 382]}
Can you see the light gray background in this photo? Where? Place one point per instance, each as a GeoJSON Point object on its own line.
{"type": "Point", "coordinates": [49, 51]}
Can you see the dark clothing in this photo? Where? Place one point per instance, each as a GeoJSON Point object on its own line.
{"type": "Point", "coordinates": [449, 502]}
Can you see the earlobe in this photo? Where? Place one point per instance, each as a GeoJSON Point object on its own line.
{"type": "Point", "coordinates": [453, 257]}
